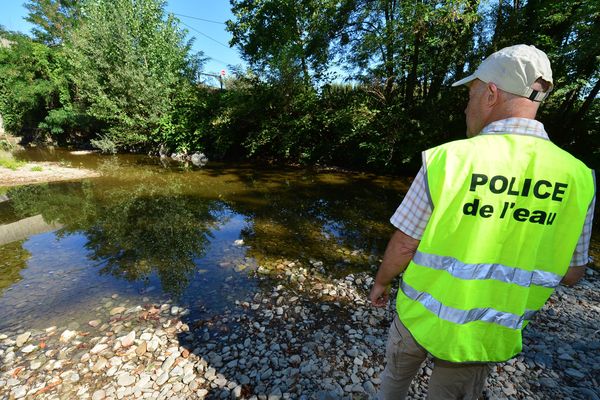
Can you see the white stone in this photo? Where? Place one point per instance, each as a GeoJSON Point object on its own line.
{"type": "Point", "coordinates": [99, 395]}
{"type": "Point", "coordinates": [128, 340]}
{"type": "Point", "coordinates": [100, 364]}
{"type": "Point", "coordinates": [23, 338]}
{"type": "Point", "coordinates": [35, 365]}
{"type": "Point", "coordinates": [29, 348]}
{"type": "Point", "coordinates": [67, 335]}
{"type": "Point", "coordinates": [144, 382]}
{"type": "Point", "coordinates": [189, 378]}
{"type": "Point", "coordinates": [99, 348]}
{"type": "Point", "coordinates": [19, 392]}
{"type": "Point", "coordinates": [162, 378]}
{"type": "Point", "coordinates": [125, 380]}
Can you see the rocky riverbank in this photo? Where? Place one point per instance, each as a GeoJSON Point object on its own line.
{"type": "Point", "coordinates": [307, 336]}
{"type": "Point", "coordinates": [37, 172]}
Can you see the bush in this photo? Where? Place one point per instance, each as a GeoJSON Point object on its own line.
{"type": "Point", "coordinates": [105, 145]}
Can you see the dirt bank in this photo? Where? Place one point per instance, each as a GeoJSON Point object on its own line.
{"type": "Point", "coordinates": [37, 172]}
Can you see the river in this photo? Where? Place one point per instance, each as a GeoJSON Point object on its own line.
{"type": "Point", "coordinates": [149, 230]}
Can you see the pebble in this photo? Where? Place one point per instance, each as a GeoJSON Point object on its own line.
{"type": "Point", "coordinates": [29, 348]}
{"type": "Point", "coordinates": [574, 373]}
{"type": "Point", "coordinates": [288, 343]}
{"type": "Point", "coordinates": [22, 339]}
{"type": "Point", "coordinates": [141, 349]}
{"type": "Point", "coordinates": [99, 348]}
{"type": "Point", "coordinates": [100, 364]}
{"type": "Point", "coordinates": [125, 380]}
{"type": "Point", "coordinates": [117, 310]}
{"type": "Point", "coordinates": [128, 340]}
{"type": "Point", "coordinates": [162, 378]}
{"type": "Point", "coordinates": [19, 392]}
{"type": "Point", "coordinates": [67, 335]}
{"type": "Point", "coordinates": [99, 395]}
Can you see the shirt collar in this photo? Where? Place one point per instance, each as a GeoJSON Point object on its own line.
{"type": "Point", "coordinates": [516, 126]}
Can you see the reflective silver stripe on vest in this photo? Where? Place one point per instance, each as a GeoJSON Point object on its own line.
{"type": "Point", "coordinates": [498, 272]}
{"type": "Point", "coordinates": [508, 320]}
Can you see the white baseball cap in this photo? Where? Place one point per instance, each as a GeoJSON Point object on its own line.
{"type": "Point", "coordinates": [514, 69]}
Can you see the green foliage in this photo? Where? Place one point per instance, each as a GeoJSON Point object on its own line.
{"type": "Point", "coordinates": [105, 145]}
{"type": "Point", "coordinates": [120, 75]}
{"type": "Point", "coordinates": [27, 84]}
{"type": "Point", "coordinates": [5, 145]}
{"type": "Point", "coordinates": [8, 161]}
{"type": "Point", "coordinates": [52, 19]}
{"type": "Point", "coordinates": [129, 63]}
{"type": "Point", "coordinates": [286, 40]}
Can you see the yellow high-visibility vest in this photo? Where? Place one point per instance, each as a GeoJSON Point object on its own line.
{"type": "Point", "coordinates": [507, 214]}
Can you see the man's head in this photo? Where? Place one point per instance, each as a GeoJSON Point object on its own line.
{"type": "Point", "coordinates": [510, 83]}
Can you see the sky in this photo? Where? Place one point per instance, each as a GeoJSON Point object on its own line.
{"type": "Point", "coordinates": [210, 37]}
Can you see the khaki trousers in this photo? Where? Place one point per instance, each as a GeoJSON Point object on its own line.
{"type": "Point", "coordinates": [448, 381]}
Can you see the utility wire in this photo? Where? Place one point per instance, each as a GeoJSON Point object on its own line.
{"type": "Point", "coordinates": [200, 19]}
{"type": "Point", "coordinates": [219, 61]}
{"type": "Point", "coordinates": [205, 35]}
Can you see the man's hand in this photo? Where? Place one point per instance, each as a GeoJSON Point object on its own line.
{"type": "Point", "coordinates": [400, 250]}
{"type": "Point", "coordinates": [573, 275]}
{"type": "Point", "coordinates": [379, 295]}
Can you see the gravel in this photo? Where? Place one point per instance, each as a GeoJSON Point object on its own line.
{"type": "Point", "coordinates": [310, 336]}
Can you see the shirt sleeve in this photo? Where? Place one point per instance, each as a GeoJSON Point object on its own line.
{"type": "Point", "coordinates": [581, 256]}
{"type": "Point", "coordinates": [413, 214]}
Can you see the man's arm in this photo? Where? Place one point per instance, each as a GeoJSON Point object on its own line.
{"type": "Point", "coordinates": [400, 250]}
{"type": "Point", "coordinates": [581, 257]}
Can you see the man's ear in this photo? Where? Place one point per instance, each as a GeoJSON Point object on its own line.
{"type": "Point", "coordinates": [492, 93]}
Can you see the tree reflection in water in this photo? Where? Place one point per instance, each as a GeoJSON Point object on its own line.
{"type": "Point", "coordinates": [14, 259]}
{"type": "Point", "coordinates": [132, 231]}
{"type": "Point", "coordinates": [141, 220]}
{"type": "Point", "coordinates": [141, 233]}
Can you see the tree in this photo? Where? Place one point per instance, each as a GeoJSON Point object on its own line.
{"type": "Point", "coordinates": [128, 62]}
{"type": "Point", "coordinates": [53, 19]}
{"type": "Point", "coordinates": [409, 46]}
{"type": "Point", "coordinates": [29, 84]}
{"type": "Point", "coordinates": [284, 39]}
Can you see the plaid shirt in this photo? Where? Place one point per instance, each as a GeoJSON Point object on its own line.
{"type": "Point", "coordinates": [412, 215]}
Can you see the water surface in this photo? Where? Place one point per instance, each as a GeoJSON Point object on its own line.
{"type": "Point", "coordinates": [151, 230]}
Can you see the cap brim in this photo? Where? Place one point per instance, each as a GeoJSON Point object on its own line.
{"type": "Point", "coordinates": [464, 81]}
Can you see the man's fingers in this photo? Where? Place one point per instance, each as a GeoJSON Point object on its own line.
{"type": "Point", "coordinates": [379, 295]}
{"type": "Point", "coordinates": [379, 299]}
{"type": "Point", "coordinates": [380, 302]}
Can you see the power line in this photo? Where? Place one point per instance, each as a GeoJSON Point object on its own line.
{"type": "Point", "coordinates": [219, 61]}
{"type": "Point", "coordinates": [205, 35]}
{"type": "Point", "coordinates": [201, 19]}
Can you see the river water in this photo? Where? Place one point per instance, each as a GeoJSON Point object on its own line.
{"type": "Point", "coordinates": [149, 231]}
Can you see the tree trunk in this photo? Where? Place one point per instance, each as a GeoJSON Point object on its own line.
{"type": "Point", "coordinates": [566, 105]}
{"type": "Point", "coordinates": [389, 46]}
{"type": "Point", "coordinates": [412, 76]}
{"type": "Point", "coordinates": [498, 29]}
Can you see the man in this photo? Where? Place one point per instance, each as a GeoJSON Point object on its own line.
{"type": "Point", "coordinates": [490, 226]}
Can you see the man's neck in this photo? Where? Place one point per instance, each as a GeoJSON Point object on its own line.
{"type": "Point", "coordinates": [512, 112]}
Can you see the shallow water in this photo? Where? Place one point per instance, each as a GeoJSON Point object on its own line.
{"type": "Point", "coordinates": [151, 230]}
